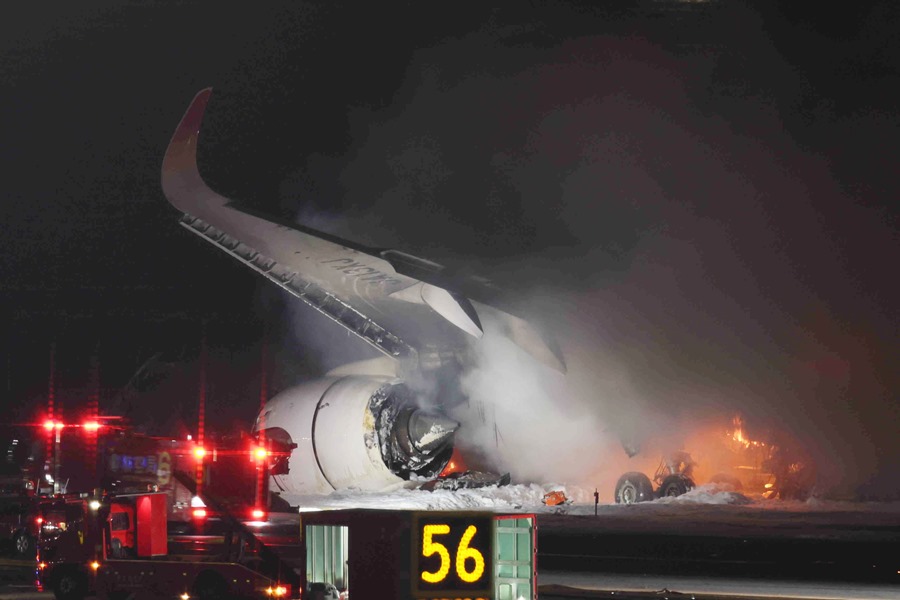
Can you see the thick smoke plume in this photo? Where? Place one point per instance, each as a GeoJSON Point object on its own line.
{"type": "Point", "coordinates": [653, 213]}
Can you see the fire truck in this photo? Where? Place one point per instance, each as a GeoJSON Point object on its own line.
{"type": "Point", "coordinates": [121, 547]}
{"type": "Point", "coordinates": [229, 469]}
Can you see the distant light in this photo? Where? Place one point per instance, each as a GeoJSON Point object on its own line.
{"type": "Point", "coordinates": [278, 591]}
{"type": "Point", "coordinates": [58, 425]}
{"type": "Point", "coordinates": [199, 513]}
{"type": "Point", "coordinates": [42, 565]}
{"type": "Point", "coordinates": [258, 514]}
{"type": "Point", "coordinates": [185, 596]}
{"type": "Point", "coordinates": [39, 520]}
{"type": "Point", "coordinates": [48, 425]}
{"type": "Point", "coordinates": [199, 452]}
{"type": "Point", "coordinates": [91, 426]}
{"type": "Point", "coordinates": [189, 438]}
{"type": "Point", "coordinates": [95, 565]}
{"type": "Point", "coordinates": [94, 504]}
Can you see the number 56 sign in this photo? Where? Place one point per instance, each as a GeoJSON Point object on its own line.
{"type": "Point", "coordinates": [452, 555]}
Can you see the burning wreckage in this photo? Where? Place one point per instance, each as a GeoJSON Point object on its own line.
{"type": "Point", "coordinates": [360, 426]}
{"type": "Point", "coordinates": [774, 468]}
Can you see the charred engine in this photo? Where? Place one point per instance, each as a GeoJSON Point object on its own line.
{"type": "Point", "coordinates": [364, 432]}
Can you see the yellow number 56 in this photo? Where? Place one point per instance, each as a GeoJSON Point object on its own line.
{"type": "Point", "coordinates": [463, 551]}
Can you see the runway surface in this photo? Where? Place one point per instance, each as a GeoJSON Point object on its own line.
{"type": "Point", "coordinates": [808, 551]}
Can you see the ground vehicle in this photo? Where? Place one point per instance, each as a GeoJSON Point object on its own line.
{"type": "Point", "coordinates": [18, 527]}
{"type": "Point", "coordinates": [119, 547]}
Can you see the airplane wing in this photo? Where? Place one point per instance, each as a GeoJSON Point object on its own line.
{"type": "Point", "coordinates": [403, 305]}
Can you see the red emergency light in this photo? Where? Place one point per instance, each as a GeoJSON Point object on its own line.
{"type": "Point", "coordinates": [258, 514]}
{"type": "Point", "coordinates": [260, 453]}
{"type": "Point", "coordinates": [199, 452]}
{"type": "Point", "coordinates": [91, 426]}
{"type": "Point", "coordinates": [279, 591]}
{"type": "Point", "coordinates": [199, 513]}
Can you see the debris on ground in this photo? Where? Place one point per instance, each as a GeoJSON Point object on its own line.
{"type": "Point", "coordinates": [465, 480]}
{"type": "Point", "coordinates": [555, 498]}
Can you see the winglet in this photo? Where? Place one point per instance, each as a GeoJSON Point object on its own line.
{"type": "Point", "coordinates": [180, 178]}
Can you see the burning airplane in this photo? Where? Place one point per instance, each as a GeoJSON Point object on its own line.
{"type": "Point", "coordinates": [360, 426]}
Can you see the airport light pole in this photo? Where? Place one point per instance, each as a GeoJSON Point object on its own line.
{"type": "Point", "coordinates": [262, 452]}
{"type": "Point", "coordinates": [51, 411]}
{"type": "Point", "coordinates": [200, 451]}
{"type": "Point", "coordinates": [57, 426]}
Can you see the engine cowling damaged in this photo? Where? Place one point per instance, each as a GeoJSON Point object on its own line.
{"type": "Point", "coordinates": [412, 440]}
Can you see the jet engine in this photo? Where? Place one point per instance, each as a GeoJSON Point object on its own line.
{"type": "Point", "coordinates": [360, 431]}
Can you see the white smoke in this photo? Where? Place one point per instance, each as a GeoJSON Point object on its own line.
{"type": "Point", "coordinates": [695, 273]}
{"type": "Point", "coordinates": [521, 413]}
{"type": "Point", "coordinates": [542, 425]}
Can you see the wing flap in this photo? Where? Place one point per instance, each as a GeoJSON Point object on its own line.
{"type": "Point", "coordinates": [404, 312]}
{"type": "Point", "coordinates": [313, 295]}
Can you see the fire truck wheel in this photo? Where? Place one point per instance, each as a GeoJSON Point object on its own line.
{"type": "Point", "coordinates": [675, 485]}
{"type": "Point", "coordinates": [25, 546]}
{"type": "Point", "coordinates": [210, 586]}
{"type": "Point", "coordinates": [70, 584]}
{"type": "Point", "coordinates": [633, 487]}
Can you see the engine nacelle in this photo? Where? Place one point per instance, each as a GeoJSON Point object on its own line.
{"type": "Point", "coordinates": [359, 431]}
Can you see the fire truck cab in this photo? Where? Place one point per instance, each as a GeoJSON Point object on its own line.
{"type": "Point", "coordinates": [122, 531]}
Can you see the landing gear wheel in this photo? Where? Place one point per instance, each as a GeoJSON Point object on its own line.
{"type": "Point", "coordinates": [70, 585]}
{"type": "Point", "coordinates": [25, 546]}
{"type": "Point", "coordinates": [675, 485]}
{"type": "Point", "coordinates": [633, 487]}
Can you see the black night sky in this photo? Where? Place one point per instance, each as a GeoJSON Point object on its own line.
{"type": "Point", "coordinates": [699, 198]}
